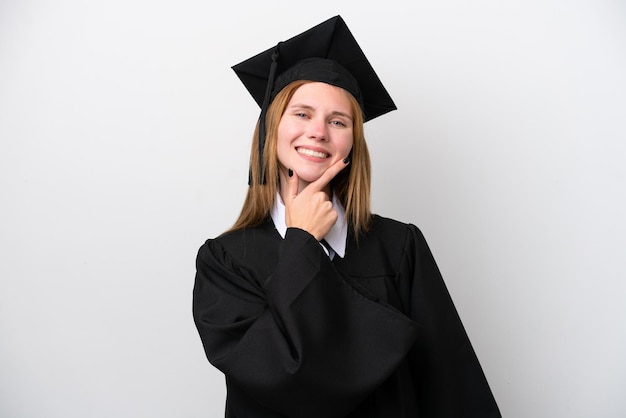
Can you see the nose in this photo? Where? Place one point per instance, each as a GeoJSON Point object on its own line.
{"type": "Point", "coordinates": [317, 129]}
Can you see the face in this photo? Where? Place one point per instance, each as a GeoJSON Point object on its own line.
{"type": "Point", "coordinates": [315, 131]}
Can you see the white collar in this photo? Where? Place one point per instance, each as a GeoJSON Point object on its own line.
{"type": "Point", "coordinates": [337, 235]}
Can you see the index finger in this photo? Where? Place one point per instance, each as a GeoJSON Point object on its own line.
{"type": "Point", "coordinates": [329, 174]}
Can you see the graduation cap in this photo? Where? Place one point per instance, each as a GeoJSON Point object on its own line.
{"type": "Point", "coordinates": [327, 53]}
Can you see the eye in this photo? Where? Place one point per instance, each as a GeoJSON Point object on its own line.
{"type": "Point", "coordinates": [338, 123]}
{"type": "Point", "coordinates": [300, 115]}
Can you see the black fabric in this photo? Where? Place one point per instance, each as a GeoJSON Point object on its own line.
{"type": "Point", "coordinates": [320, 69]}
{"type": "Point", "coordinates": [373, 334]}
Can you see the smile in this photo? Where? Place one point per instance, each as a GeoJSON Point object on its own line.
{"type": "Point", "coordinates": [311, 153]}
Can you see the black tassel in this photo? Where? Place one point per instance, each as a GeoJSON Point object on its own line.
{"type": "Point", "coordinates": [266, 103]}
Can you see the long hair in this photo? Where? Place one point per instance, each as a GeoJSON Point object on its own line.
{"type": "Point", "coordinates": [352, 185]}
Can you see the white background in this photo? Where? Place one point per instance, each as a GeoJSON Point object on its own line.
{"type": "Point", "coordinates": [124, 145]}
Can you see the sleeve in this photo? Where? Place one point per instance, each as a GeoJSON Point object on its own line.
{"type": "Point", "coordinates": [450, 380]}
{"type": "Point", "coordinates": [305, 344]}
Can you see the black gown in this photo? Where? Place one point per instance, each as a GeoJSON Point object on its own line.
{"type": "Point", "coordinates": [373, 334]}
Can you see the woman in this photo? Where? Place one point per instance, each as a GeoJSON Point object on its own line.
{"type": "Point", "coordinates": [310, 305]}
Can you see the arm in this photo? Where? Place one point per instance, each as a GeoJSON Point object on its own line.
{"type": "Point", "coordinates": [303, 344]}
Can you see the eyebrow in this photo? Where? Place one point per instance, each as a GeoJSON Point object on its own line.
{"type": "Point", "coordinates": [308, 107]}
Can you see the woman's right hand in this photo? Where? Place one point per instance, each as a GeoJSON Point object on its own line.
{"type": "Point", "coordinates": [311, 209]}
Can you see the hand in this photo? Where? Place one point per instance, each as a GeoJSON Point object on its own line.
{"type": "Point", "coordinates": [312, 209]}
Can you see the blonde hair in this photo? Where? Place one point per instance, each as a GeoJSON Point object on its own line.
{"type": "Point", "coordinates": [351, 185]}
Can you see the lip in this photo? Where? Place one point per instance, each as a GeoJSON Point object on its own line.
{"type": "Point", "coordinates": [309, 153]}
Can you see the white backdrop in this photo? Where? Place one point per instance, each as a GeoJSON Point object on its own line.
{"type": "Point", "coordinates": [124, 145]}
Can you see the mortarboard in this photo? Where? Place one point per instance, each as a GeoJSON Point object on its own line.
{"type": "Point", "coordinates": [328, 52]}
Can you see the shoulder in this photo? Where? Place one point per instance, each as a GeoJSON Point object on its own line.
{"type": "Point", "coordinates": [389, 246]}
{"type": "Point", "coordinates": [387, 228]}
{"type": "Point", "coordinates": [379, 221]}
{"type": "Point", "coordinates": [247, 248]}
{"type": "Point", "coordinates": [247, 238]}
{"type": "Point", "coordinates": [395, 235]}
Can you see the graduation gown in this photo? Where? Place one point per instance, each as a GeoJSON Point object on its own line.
{"type": "Point", "coordinates": [297, 335]}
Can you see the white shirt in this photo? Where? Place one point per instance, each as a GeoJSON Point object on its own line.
{"type": "Point", "coordinates": [337, 235]}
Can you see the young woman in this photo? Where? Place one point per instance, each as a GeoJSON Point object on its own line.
{"type": "Point", "coordinates": [310, 305]}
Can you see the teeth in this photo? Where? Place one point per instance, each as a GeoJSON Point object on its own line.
{"type": "Point", "coordinates": [312, 153]}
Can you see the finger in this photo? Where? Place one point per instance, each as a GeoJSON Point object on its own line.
{"type": "Point", "coordinates": [292, 184]}
{"type": "Point", "coordinates": [329, 174]}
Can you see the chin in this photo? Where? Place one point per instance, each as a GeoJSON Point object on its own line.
{"type": "Point", "coordinates": [308, 176]}
{"type": "Point", "coordinates": [308, 179]}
